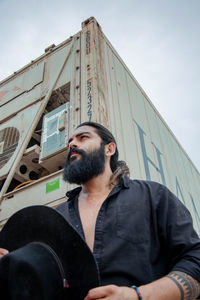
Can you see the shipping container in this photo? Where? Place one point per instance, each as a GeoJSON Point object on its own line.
{"type": "Point", "coordinates": [82, 79]}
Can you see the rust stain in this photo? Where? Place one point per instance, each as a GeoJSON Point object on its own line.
{"type": "Point", "coordinates": [2, 94]}
{"type": "Point", "coordinates": [16, 88]}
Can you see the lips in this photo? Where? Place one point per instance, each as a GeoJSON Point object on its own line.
{"type": "Point", "coordinates": [73, 154]}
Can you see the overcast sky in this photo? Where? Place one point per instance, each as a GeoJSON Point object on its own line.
{"type": "Point", "coordinates": [158, 40]}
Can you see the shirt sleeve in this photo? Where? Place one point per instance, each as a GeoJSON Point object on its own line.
{"type": "Point", "coordinates": [177, 232]}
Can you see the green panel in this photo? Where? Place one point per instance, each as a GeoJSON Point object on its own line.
{"type": "Point", "coordinates": [53, 185]}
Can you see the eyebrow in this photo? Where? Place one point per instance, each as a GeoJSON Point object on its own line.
{"type": "Point", "coordinates": [79, 134]}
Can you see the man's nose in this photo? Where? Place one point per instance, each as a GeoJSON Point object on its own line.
{"type": "Point", "coordinates": [73, 144]}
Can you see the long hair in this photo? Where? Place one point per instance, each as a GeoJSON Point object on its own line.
{"type": "Point", "coordinates": [118, 167]}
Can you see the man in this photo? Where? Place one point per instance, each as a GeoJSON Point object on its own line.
{"type": "Point", "coordinates": [139, 232]}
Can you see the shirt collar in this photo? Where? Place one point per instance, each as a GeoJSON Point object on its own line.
{"type": "Point", "coordinates": [72, 193]}
{"type": "Point", "coordinates": [123, 183]}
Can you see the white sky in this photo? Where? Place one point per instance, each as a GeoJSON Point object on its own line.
{"type": "Point", "coordinates": [159, 40]}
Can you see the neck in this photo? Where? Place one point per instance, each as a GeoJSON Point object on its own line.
{"type": "Point", "coordinates": [99, 184]}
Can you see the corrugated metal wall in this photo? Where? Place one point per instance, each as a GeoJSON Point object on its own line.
{"type": "Point", "coordinates": [145, 141]}
{"type": "Point", "coordinates": [102, 89]}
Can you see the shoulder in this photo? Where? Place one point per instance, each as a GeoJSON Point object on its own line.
{"type": "Point", "coordinates": [146, 184]}
{"type": "Point", "coordinates": [153, 192]}
{"type": "Point", "coordinates": [150, 188]}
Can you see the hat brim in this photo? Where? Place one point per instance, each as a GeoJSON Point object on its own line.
{"type": "Point", "coordinates": [44, 224]}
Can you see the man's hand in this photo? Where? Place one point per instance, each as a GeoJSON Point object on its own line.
{"type": "Point", "coordinates": [112, 292]}
{"type": "Point", "coordinates": [3, 252]}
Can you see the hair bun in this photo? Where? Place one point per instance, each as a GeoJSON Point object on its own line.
{"type": "Point", "coordinates": [123, 168]}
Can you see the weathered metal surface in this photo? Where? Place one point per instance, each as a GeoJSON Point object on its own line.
{"type": "Point", "coordinates": [94, 81]}
{"type": "Point", "coordinates": [33, 83]}
{"type": "Point", "coordinates": [34, 194]}
{"type": "Point", "coordinates": [145, 141]}
{"type": "Point", "coordinates": [21, 123]}
{"type": "Point", "coordinates": [23, 83]}
{"type": "Point", "coordinates": [19, 155]}
{"type": "Point", "coordinates": [98, 86]}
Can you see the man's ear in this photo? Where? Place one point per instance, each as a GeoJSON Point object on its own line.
{"type": "Point", "coordinates": [110, 149]}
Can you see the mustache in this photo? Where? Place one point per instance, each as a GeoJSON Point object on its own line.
{"type": "Point", "coordinates": [75, 150]}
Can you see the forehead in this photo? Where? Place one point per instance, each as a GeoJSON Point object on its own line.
{"type": "Point", "coordinates": [83, 129]}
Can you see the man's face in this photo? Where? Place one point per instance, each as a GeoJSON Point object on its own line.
{"type": "Point", "coordinates": [86, 157]}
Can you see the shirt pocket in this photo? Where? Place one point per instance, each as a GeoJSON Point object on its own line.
{"type": "Point", "coordinates": [132, 226]}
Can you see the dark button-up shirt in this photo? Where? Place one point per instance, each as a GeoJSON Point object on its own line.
{"type": "Point", "coordinates": [142, 233]}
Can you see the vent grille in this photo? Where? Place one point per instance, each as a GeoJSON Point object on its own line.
{"type": "Point", "coordinates": [9, 138]}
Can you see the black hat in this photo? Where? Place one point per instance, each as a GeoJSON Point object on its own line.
{"type": "Point", "coordinates": [48, 259]}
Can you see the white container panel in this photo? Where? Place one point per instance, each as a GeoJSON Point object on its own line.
{"type": "Point", "coordinates": [167, 154]}
{"type": "Point", "coordinates": [54, 62]}
{"type": "Point", "coordinates": [121, 108]}
{"type": "Point", "coordinates": [136, 164]}
{"type": "Point", "coordinates": [115, 107]}
{"type": "Point", "coordinates": [34, 194]}
{"type": "Point", "coordinates": [125, 121]}
{"type": "Point", "coordinates": [22, 83]}
{"type": "Point", "coordinates": [158, 163]}
{"type": "Point", "coordinates": [22, 122]}
{"type": "Point", "coordinates": [20, 103]}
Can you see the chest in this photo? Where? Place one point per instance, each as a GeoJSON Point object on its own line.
{"type": "Point", "coordinates": [88, 214]}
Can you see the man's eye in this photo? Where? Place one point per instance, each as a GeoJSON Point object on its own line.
{"type": "Point", "coordinates": [83, 136]}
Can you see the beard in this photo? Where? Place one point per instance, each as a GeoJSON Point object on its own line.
{"type": "Point", "coordinates": [88, 166]}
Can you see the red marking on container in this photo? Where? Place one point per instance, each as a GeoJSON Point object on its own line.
{"type": "Point", "coordinates": [2, 94]}
{"type": "Point", "coordinates": [16, 88]}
